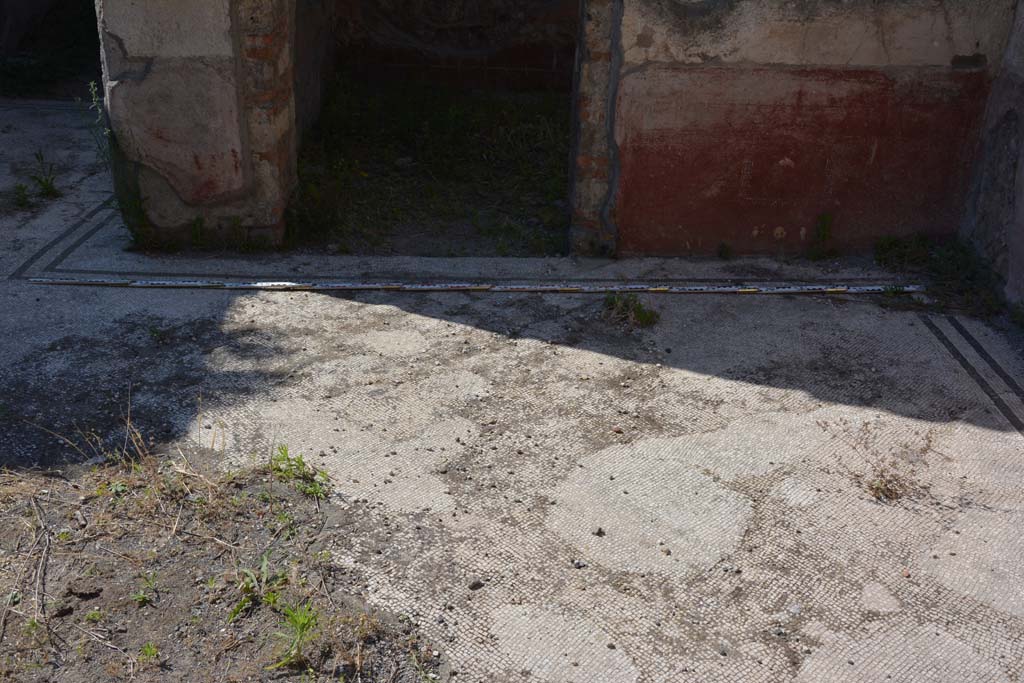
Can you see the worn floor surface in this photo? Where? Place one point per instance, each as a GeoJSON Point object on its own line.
{"type": "Point", "coordinates": [560, 498]}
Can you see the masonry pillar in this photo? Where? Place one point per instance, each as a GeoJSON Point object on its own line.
{"type": "Point", "coordinates": [596, 78]}
{"type": "Point", "coordinates": [994, 217]}
{"type": "Point", "coordinates": [200, 98]}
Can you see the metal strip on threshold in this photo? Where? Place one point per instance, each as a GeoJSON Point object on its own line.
{"type": "Point", "coordinates": [554, 288]}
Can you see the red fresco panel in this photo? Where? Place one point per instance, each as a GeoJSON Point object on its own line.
{"type": "Point", "coordinates": [752, 157]}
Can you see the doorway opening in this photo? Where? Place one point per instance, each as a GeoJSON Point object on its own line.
{"type": "Point", "coordinates": [444, 128]}
{"type": "Point", "coordinates": [49, 49]}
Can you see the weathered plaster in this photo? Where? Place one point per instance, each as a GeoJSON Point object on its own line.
{"type": "Point", "coordinates": [182, 121]}
{"type": "Point", "coordinates": [994, 215]}
{"type": "Point", "coordinates": [200, 98]}
{"type": "Point", "coordinates": [817, 32]}
{"type": "Point", "coordinates": [171, 28]}
{"type": "Point", "coordinates": [748, 123]}
{"type": "Point", "coordinates": [598, 65]}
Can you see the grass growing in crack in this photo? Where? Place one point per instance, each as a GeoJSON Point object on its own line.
{"type": "Point", "coordinates": [958, 277]}
{"type": "Point", "coordinates": [293, 469]}
{"type": "Point", "coordinates": [441, 170]}
{"type": "Point", "coordinates": [887, 485]}
{"type": "Point", "coordinates": [298, 626]}
{"type": "Point", "coordinates": [629, 310]}
{"type": "Point", "coordinates": [45, 177]}
{"type": "Point", "coordinates": [98, 129]}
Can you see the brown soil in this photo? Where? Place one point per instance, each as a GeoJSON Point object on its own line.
{"type": "Point", "coordinates": [152, 568]}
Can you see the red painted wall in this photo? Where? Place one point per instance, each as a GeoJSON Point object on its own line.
{"type": "Point", "coordinates": [752, 156]}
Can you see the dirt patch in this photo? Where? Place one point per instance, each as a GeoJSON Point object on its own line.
{"type": "Point", "coordinates": [165, 568]}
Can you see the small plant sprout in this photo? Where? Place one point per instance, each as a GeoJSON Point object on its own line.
{"type": "Point", "coordinates": [293, 469]}
{"type": "Point", "coordinates": [32, 627]}
{"type": "Point", "coordinates": [45, 178]}
{"type": "Point", "coordinates": [298, 628]}
{"type": "Point", "coordinates": [94, 616]}
{"type": "Point", "coordinates": [147, 594]}
{"type": "Point", "coordinates": [148, 653]}
{"type": "Point", "coordinates": [257, 587]}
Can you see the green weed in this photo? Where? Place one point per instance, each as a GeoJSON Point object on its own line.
{"type": "Point", "coordinates": [293, 469]}
{"type": "Point", "coordinates": [148, 653]}
{"type": "Point", "coordinates": [628, 309]}
{"type": "Point", "coordinates": [259, 586]}
{"type": "Point", "coordinates": [147, 594]}
{"type": "Point", "coordinates": [45, 178]}
{"type": "Point", "coordinates": [298, 628]}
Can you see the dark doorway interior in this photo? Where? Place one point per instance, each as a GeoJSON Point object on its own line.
{"type": "Point", "coordinates": [57, 57]}
{"type": "Point", "coordinates": [445, 130]}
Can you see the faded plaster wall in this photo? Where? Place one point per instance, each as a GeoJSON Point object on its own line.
{"type": "Point", "coordinates": [200, 100]}
{"type": "Point", "coordinates": [994, 214]}
{"type": "Point", "coordinates": [750, 123]}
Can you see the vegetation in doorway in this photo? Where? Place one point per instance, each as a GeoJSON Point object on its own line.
{"type": "Point", "coordinates": [957, 277]}
{"type": "Point", "coordinates": [415, 169]}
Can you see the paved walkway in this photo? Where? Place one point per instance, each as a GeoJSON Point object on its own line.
{"type": "Point", "coordinates": [560, 498]}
